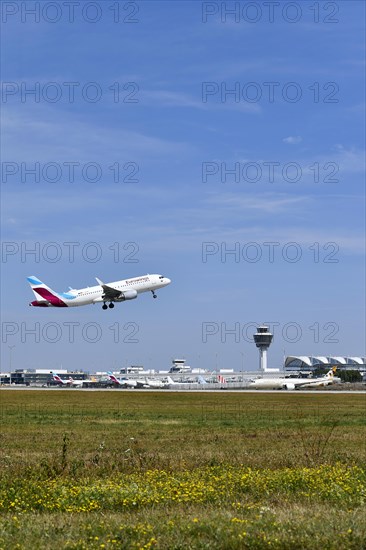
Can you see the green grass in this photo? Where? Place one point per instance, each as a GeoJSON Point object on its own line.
{"type": "Point", "coordinates": [134, 469]}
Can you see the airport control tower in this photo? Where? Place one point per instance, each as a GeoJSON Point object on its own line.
{"type": "Point", "coordinates": [263, 339]}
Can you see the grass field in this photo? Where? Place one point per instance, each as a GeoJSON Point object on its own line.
{"type": "Point", "coordinates": [128, 469]}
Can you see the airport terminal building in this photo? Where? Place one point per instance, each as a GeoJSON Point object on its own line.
{"type": "Point", "coordinates": [42, 377]}
{"type": "Point", "coordinates": [304, 365]}
{"type": "Point", "coordinates": [294, 364]}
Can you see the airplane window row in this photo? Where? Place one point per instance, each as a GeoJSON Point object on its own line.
{"type": "Point", "coordinates": [119, 286]}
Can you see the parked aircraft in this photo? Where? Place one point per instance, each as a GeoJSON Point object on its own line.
{"type": "Point", "coordinates": [69, 382]}
{"type": "Point", "coordinates": [119, 291]}
{"type": "Point", "coordinates": [78, 383]}
{"type": "Point", "coordinates": [199, 380]}
{"type": "Point", "coordinates": [152, 383]}
{"type": "Point", "coordinates": [125, 382]}
{"type": "Point", "coordinates": [293, 383]}
{"type": "Point", "coordinates": [138, 383]}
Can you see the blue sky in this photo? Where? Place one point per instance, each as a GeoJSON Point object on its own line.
{"type": "Point", "coordinates": [279, 161]}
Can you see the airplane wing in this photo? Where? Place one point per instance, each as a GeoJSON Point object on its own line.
{"type": "Point", "coordinates": [110, 293]}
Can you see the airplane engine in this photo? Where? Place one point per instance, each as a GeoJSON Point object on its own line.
{"type": "Point", "coordinates": [289, 386]}
{"type": "Point", "coordinates": [127, 295]}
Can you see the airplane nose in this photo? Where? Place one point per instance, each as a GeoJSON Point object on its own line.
{"type": "Point", "coordinates": [168, 281]}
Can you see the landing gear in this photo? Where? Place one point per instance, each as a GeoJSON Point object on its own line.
{"type": "Point", "coordinates": [111, 305]}
{"type": "Point", "coordinates": [154, 295]}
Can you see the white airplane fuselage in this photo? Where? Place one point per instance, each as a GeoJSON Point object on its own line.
{"type": "Point", "coordinates": [118, 291]}
{"type": "Point", "coordinates": [292, 383]}
{"type": "Point", "coordinates": [94, 294]}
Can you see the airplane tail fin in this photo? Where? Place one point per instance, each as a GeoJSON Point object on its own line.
{"type": "Point", "coordinates": [36, 284]}
{"type": "Point", "coordinates": [201, 380]}
{"type": "Point", "coordinates": [331, 373]}
{"type": "Point", "coordinates": [170, 381]}
{"type": "Point", "coordinates": [45, 296]}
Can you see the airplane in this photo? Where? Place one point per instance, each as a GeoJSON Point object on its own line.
{"type": "Point", "coordinates": [69, 382]}
{"type": "Point", "coordinates": [293, 383]}
{"type": "Point", "coordinates": [125, 382]}
{"type": "Point", "coordinates": [119, 291]}
{"type": "Point", "coordinates": [171, 382]}
{"type": "Point", "coordinates": [78, 383]}
{"type": "Point", "coordinates": [151, 383]}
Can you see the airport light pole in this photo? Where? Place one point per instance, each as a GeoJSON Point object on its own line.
{"type": "Point", "coordinates": [242, 365]}
{"type": "Point", "coordinates": [10, 367]}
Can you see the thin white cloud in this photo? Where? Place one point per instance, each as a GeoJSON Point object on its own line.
{"type": "Point", "coordinates": [42, 135]}
{"type": "Point", "coordinates": [292, 140]}
{"type": "Point", "coordinates": [168, 98]}
{"type": "Point", "coordinates": [265, 203]}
